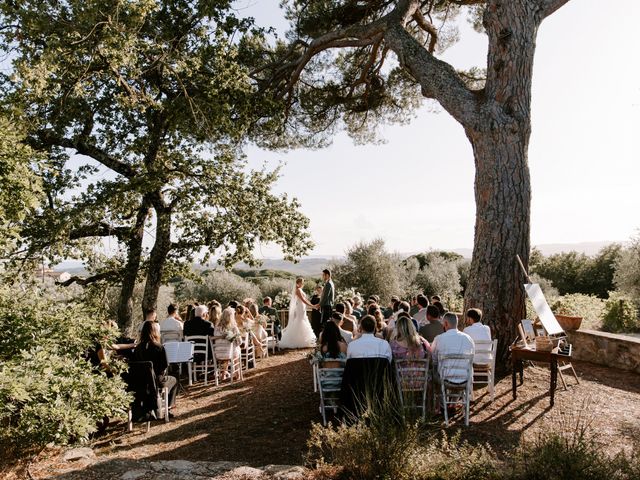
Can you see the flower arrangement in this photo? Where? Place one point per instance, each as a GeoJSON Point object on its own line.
{"type": "Point", "coordinates": [232, 336]}
{"type": "Point", "coordinates": [315, 357]}
{"type": "Point", "coordinates": [282, 300]}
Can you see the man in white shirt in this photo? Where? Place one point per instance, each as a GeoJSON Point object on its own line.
{"type": "Point", "coordinates": [172, 323]}
{"type": "Point", "coordinates": [452, 341]}
{"type": "Point", "coordinates": [477, 331]}
{"type": "Point", "coordinates": [421, 316]}
{"type": "Point", "coordinates": [368, 345]}
{"type": "Point", "coordinates": [336, 318]}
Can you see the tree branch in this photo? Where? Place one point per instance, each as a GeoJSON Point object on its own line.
{"type": "Point", "coordinates": [100, 229]}
{"type": "Point", "coordinates": [547, 7]}
{"type": "Point", "coordinates": [84, 148]}
{"type": "Point", "coordinates": [428, 27]}
{"type": "Point", "coordinates": [113, 274]}
{"type": "Point", "coordinates": [438, 79]}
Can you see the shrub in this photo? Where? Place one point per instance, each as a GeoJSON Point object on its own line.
{"type": "Point", "coordinates": [371, 269]}
{"type": "Point", "coordinates": [221, 286]}
{"type": "Point", "coordinates": [440, 277]}
{"type": "Point", "coordinates": [620, 315]}
{"type": "Point", "coordinates": [588, 307]}
{"type": "Point", "coordinates": [55, 398]}
{"type": "Point", "coordinates": [271, 287]}
{"type": "Point", "coordinates": [627, 270]}
{"type": "Point", "coordinates": [48, 391]}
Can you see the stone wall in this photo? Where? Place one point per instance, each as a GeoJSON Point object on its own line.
{"type": "Point", "coordinates": [608, 349]}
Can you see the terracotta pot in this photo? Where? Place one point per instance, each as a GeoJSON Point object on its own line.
{"type": "Point", "coordinates": [569, 323]}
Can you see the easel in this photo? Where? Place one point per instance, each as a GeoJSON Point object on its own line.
{"type": "Point", "coordinates": [551, 326]}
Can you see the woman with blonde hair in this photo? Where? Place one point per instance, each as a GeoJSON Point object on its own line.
{"type": "Point", "coordinates": [215, 312]}
{"type": "Point", "coordinates": [405, 342]}
{"type": "Point", "coordinates": [228, 346]}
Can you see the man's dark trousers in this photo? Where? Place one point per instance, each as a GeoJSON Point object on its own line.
{"type": "Point", "coordinates": [326, 314]}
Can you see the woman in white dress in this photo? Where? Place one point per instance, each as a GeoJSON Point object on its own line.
{"type": "Point", "coordinates": [298, 333]}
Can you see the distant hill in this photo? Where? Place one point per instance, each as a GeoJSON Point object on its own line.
{"type": "Point", "coordinates": [313, 266]}
{"type": "Point", "coordinates": [306, 267]}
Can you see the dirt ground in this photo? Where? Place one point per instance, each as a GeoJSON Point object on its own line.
{"type": "Point", "coordinates": [266, 419]}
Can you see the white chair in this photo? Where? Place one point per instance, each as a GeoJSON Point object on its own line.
{"type": "Point", "coordinates": [202, 346]}
{"type": "Point", "coordinates": [248, 351]}
{"type": "Point", "coordinates": [234, 366]}
{"type": "Point", "coordinates": [412, 378]}
{"type": "Point", "coordinates": [329, 381]}
{"type": "Point", "coordinates": [455, 376]}
{"type": "Point", "coordinates": [484, 364]}
{"type": "Point", "coordinates": [171, 336]}
{"type": "Point", "coordinates": [272, 338]}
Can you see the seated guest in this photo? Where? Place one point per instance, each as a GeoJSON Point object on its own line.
{"type": "Point", "coordinates": [247, 302]}
{"type": "Point", "coordinates": [368, 345]}
{"type": "Point", "coordinates": [198, 325]}
{"type": "Point", "coordinates": [441, 309]}
{"type": "Point", "coordinates": [381, 324]}
{"type": "Point", "coordinates": [414, 306]}
{"type": "Point", "coordinates": [348, 322]}
{"type": "Point", "coordinates": [477, 331]}
{"type": "Point", "coordinates": [258, 329]}
{"type": "Point", "coordinates": [436, 298]}
{"type": "Point", "coordinates": [267, 308]}
{"type": "Point", "coordinates": [333, 346]}
{"type": "Point", "coordinates": [172, 323]}
{"type": "Point", "coordinates": [215, 312]}
{"type": "Point", "coordinates": [149, 349]}
{"type": "Point", "coordinates": [348, 313]}
{"type": "Point", "coordinates": [433, 327]}
{"type": "Point", "coordinates": [150, 316]}
{"type": "Point", "coordinates": [421, 316]}
{"type": "Point", "coordinates": [228, 340]}
{"type": "Point", "coordinates": [399, 308]}
{"type": "Point", "coordinates": [452, 341]}
{"type": "Point", "coordinates": [406, 343]}
{"type": "Point", "coordinates": [387, 312]}
{"type": "Point", "coordinates": [337, 319]}
{"type": "Point", "coordinates": [357, 306]}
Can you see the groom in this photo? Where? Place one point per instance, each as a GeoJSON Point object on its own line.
{"type": "Point", "coordinates": [327, 297]}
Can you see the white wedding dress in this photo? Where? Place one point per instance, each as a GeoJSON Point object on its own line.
{"type": "Point", "coordinates": [298, 332]}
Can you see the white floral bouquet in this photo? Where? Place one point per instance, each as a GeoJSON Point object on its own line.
{"type": "Point", "coordinates": [315, 357]}
{"type": "Point", "coordinates": [282, 300]}
{"type": "Point", "coordinates": [232, 336]}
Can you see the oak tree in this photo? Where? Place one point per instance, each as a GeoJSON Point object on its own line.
{"type": "Point", "coordinates": [155, 99]}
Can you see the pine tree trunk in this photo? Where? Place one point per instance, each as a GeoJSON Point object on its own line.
{"type": "Point", "coordinates": [134, 255]}
{"type": "Point", "coordinates": [503, 197]}
{"type": "Point", "coordinates": [157, 258]}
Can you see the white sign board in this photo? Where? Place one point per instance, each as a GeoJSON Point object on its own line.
{"type": "Point", "coordinates": [541, 307]}
{"type": "Point", "coordinates": [179, 352]}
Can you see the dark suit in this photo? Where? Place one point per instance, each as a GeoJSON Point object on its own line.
{"type": "Point", "coordinates": [326, 301]}
{"type": "Point", "coordinates": [316, 316]}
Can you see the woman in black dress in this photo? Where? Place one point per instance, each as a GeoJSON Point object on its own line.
{"type": "Point", "coordinates": [150, 349]}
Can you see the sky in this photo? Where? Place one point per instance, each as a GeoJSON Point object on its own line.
{"type": "Point", "coordinates": [584, 151]}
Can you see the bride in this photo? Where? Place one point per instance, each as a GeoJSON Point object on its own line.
{"type": "Point", "coordinates": [298, 332]}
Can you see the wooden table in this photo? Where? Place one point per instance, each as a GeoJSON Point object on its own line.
{"type": "Point", "coordinates": [521, 353]}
